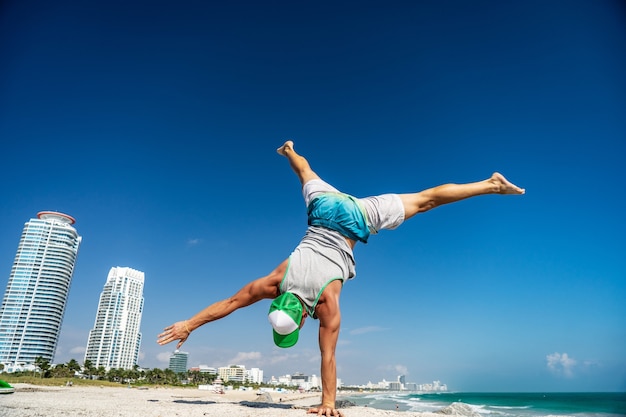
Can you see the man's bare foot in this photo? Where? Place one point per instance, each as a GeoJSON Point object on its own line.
{"type": "Point", "coordinates": [286, 146]}
{"type": "Point", "coordinates": [504, 186]}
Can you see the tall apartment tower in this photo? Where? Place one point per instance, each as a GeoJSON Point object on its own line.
{"type": "Point", "coordinates": [36, 295]}
{"type": "Point", "coordinates": [115, 339]}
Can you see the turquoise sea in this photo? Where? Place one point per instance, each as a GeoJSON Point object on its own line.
{"type": "Point", "coordinates": [504, 404]}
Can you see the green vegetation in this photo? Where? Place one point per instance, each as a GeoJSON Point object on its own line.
{"type": "Point", "coordinates": [50, 382]}
{"type": "Point", "coordinates": [88, 375]}
{"type": "Point", "coordinates": [72, 372]}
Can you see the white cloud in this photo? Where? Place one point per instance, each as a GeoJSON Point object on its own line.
{"type": "Point", "coordinates": [401, 369]}
{"type": "Point", "coordinates": [368, 329]}
{"type": "Point", "coordinates": [280, 356]}
{"type": "Point", "coordinates": [242, 357]}
{"type": "Point", "coordinates": [78, 349]}
{"type": "Point", "coordinates": [561, 364]}
{"type": "Point", "coordinates": [591, 364]}
{"type": "Point", "coordinates": [193, 241]}
{"type": "Point", "coordinates": [397, 369]}
{"type": "Point", "coordinates": [164, 357]}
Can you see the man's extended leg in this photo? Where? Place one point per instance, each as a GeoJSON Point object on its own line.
{"type": "Point", "coordinates": [298, 163]}
{"type": "Point", "coordinates": [449, 193]}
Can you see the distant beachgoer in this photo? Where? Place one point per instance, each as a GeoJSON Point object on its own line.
{"type": "Point", "coordinates": [309, 282]}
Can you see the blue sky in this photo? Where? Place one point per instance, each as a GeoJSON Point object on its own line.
{"type": "Point", "coordinates": [155, 125]}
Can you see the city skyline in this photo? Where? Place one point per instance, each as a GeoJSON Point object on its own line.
{"type": "Point", "coordinates": [155, 126]}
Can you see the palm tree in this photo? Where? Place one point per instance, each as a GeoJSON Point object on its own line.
{"type": "Point", "coordinates": [73, 366]}
{"type": "Point", "coordinates": [42, 364]}
{"type": "Point", "coordinates": [88, 368]}
{"type": "Point", "coordinates": [170, 376]}
{"type": "Point", "coordinates": [155, 376]}
{"type": "Point", "coordinates": [62, 371]}
{"type": "Point", "coordinates": [141, 373]}
{"type": "Point", "coordinates": [115, 375]}
{"type": "Point", "coordinates": [130, 375]}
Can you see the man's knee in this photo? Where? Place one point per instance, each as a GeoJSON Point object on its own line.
{"type": "Point", "coordinates": [416, 203]}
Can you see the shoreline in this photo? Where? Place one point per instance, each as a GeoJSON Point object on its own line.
{"type": "Point", "coordinates": [96, 401]}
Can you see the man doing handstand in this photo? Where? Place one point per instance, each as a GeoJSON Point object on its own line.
{"type": "Point", "coordinates": [309, 282]}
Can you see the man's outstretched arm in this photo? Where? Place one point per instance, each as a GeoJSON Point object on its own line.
{"type": "Point", "coordinates": [262, 288]}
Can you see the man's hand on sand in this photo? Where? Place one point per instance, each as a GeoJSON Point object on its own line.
{"type": "Point", "coordinates": [325, 411]}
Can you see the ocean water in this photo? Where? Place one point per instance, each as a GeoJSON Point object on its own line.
{"type": "Point", "coordinates": [504, 404]}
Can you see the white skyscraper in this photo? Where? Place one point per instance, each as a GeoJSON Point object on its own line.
{"type": "Point", "coordinates": [115, 339]}
{"type": "Point", "coordinates": [36, 295]}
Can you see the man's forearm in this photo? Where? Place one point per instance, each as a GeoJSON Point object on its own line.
{"type": "Point", "coordinates": [330, 320]}
{"type": "Point", "coordinates": [249, 294]}
{"type": "Point", "coordinates": [215, 311]}
{"type": "Point", "coordinates": [329, 381]}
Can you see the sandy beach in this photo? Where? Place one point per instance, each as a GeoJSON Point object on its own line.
{"type": "Point", "coordinates": [31, 400]}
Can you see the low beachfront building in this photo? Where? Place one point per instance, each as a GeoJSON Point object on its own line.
{"type": "Point", "coordinates": [232, 373]}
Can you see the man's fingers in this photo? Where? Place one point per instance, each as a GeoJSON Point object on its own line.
{"type": "Point", "coordinates": [328, 412]}
{"type": "Point", "coordinates": [170, 334]}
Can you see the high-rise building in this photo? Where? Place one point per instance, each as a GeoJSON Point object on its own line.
{"type": "Point", "coordinates": [36, 295]}
{"type": "Point", "coordinates": [178, 362]}
{"type": "Point", "coordinates": [115, 339]}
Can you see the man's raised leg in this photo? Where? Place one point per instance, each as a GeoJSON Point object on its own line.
{"type": "Point", "coordinates": [298, 163]}
{"type": "Point", "coordinates": [449, 193]}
